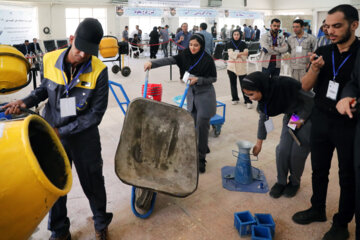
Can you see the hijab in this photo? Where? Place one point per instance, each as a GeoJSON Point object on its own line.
{"type": "Point", "coordinates": [277, 93]}
{"type": "Point", "coordinates": [205, 67]}
{"type": "Point", "coordinates": [154, 36]}
{"type": "Point", "coordinates": [233, 44]}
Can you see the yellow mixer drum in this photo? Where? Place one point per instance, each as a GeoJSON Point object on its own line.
{"type": "Point", "coordinates": [13, 69]}
{"type": "Point", "coordinates": [109, 47]}
{"type": "Point", "coordinates": [34, 173]}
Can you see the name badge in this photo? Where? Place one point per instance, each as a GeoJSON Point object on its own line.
{"type": "Point", "coordinates": [186, 77]}
{"type": "Point", "coordinates": [269, 126]}
{"type": "Point", "coordinates": [67, 107]}
{"type": "Point", "coordinates": [333, 89]}
{"type": "Point", "coordinates": [298, 49]}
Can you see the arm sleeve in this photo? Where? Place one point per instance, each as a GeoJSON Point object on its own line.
{"type": "Point", "coordinates": [351, 89]}
{"type": "Point", "coordinates": [261, 134]}
{"type": "Point", "coordinates": [307, 101]}
{"type": "Point", "coordinates": [163, 62]}
{"type": "Point", "coordinates": [206, 80]}
{"type": "Point", "coordinates": [97, 108]}
{"type": "Point", "coordinates": [283, 47]}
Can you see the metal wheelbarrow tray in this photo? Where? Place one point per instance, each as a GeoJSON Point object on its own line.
{"type": "Point", "coordinates": [158, 149]}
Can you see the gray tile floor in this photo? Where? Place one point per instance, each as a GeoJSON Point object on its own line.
{"type": "Point", "coordinates": [209, 212]}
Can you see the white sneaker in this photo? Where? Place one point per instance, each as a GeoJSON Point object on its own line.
{"type": "Point", "coordinates": [249, 106]}
{"type": "Point", "coordinates": [234, 102]}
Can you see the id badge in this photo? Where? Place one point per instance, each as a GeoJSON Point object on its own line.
{"type": "Point", "coordinates": [67, 107]}
{"type": "Point", "coordinates": [298, 49]}
{"type": "Point", "coordinates": [269, 126]}
{"type": "Point", "coordinates": [333, 89]}
{"type": "Point", "coordinates": [186, 76]}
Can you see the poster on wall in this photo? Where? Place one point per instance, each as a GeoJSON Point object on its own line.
{"type": "Point", "coordinates": [17, 24]}
{"type": "Point", "coordinates": [164, 3]}
{"type": "Point", "coordinates": [242, 14]}
{"type": "Point", "coordinates": [136, 11]}
{"type": "Point", "coordinates": [192, 12]}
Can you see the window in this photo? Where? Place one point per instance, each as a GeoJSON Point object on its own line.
{"type": "Point", "coordinates": [146, 24]}
{"type": "Point", "coordinates": [73, 16]}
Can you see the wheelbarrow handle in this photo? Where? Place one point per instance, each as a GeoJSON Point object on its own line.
{"type": "Point", "coordinates": [146, 83]}
{"type": "Point", "coordinates": [234, 154]}
{"type": "Point", "coordinates": [185, 93]}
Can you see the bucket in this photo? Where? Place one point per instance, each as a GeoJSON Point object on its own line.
{"type": "Point", "coordinates": [34, 173]}
{"type": "Point", "coordinates": [243, 170]}
{"type": "Point", "coordinates": [154, 91]}
{"type": "Point", "coordinates": [13, 69]}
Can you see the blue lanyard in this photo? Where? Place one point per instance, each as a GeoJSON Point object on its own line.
{"type": "Point", "coordinates": [191, 67]}
{"type": "Point", "coordinates": [302, 39]}
{"type": "Point", "coordinates": [333, 63]}
{"type": "Point", "coordinates": [237, 47]}
{"type": "Point", "coordinates": [74, 79]}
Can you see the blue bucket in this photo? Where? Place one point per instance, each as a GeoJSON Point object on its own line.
{"type": "Point", "coordinates": [243, 170]}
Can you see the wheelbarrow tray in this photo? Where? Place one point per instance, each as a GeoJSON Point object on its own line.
{"type": "Point", "coordinates": [158, 149]}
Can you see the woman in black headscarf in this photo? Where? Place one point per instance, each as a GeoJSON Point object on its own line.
{"type": "Point", "coordinates": [276, 96]}
{"type": "Point", "coordinates": [201, 98]}
{"type": "Point", "coordinates": [154, 42]}
{"type": "Point", "coordinates": [237, 66]}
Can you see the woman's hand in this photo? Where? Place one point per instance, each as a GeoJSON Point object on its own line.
{"type": "Point", "coordinates": [257, 147]}
{"type": "Point", "coordinates": [147, 66]}
{"type": "Point", "coordinates": [298, 123]}
{"type": "Point", "coordinates": [193, 80]}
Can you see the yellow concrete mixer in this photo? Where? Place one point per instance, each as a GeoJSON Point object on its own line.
{"type": "Point", "coordinates": [110, 48]}
{"type": "Point", "coordinates": [14, 68]}
{"type": "Point", "coordinates": [34, 173]}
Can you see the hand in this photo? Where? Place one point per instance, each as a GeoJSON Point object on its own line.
{"type": "Point", "coordinates": [316, 64]}
{"type": "Point", "coordinates": [346, 106]}
{"type": "Point", "coordinates": [257, 147]}
{"type": "Point", "coordinates": [181, 38]}
{"type": "Point", "coordinates": [298, 123]}
{"type": "Point", "coordinates": [193, 80]}
{"type": "Point", "coordinates": [147, 66]}
{"type": "Point", "coordinates": [14, 107]}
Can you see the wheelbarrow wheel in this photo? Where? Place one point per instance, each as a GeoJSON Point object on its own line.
{"type": "Point", "coordinates": [217, 130]}
{"type": "Point", "coordinates": [143, 198]}
{"type": "Point", "coordinates": [125, 71]}
{"type": "Point", "coordinates": [115, 69]}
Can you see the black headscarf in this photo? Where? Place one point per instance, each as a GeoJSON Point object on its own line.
{"type": "Point", "coordinates": [232, 44]}
{"type": "Point", "coordinates": [205, 67]}
{"type": "Point", "coordinates": [277, 93]}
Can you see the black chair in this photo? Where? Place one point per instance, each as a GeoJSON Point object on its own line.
{"type": "Point", "coordinates": [62, 44]}
{"type": "Point", "coordinates": [254, 48]}
{"type": "Point", "coordinates": [49, 45]}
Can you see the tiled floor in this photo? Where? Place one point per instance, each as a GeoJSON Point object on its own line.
{"type": "Point", "coordinates": [209, 212]}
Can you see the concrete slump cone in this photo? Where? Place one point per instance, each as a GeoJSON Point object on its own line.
{"type": "Point", "coordinates": [34, 173]}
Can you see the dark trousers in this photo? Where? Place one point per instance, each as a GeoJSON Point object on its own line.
{"type": "Point", "coordinates": [84, 150]}
{"type": "Point", "coordinates": [233, 85]}
{"type": "Point", "coordinates": [181, 70]}
{"type": "Point", "coordinates": [202, 126]}
{"type": "Point", "coordinates": [153, 51]}
{"type": "Point", "coordinates": [328, 133]}
{"type": "Point", "coordinates": [165, 49]}
{"type": "Point", "coordinates": [357, 174]}
{"type": "Point", "coordinates": [271, 71]}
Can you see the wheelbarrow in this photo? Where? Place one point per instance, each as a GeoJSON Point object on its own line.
{"type": "Point", "coordinates": [157, 152]}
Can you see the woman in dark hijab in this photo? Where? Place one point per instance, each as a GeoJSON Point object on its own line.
{"type": "Point", "coordinates": [283, 95]}
{"type": "Point", "coordinates": [199, 68]}
{"type": "Point", "coordinates": [237, 66]}
{"type": "Point", "coordinates": [154, 42]}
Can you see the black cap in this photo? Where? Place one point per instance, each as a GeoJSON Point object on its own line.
{"type": "Point", "coordinates": [88, 36]}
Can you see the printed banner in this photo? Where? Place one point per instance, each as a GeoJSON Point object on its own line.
{"type": "Point", "coordinates": [134, 11]}
{"type": "Point", "coordinates": [188, 12]}
{"type": "Point", "coordinates": [243, 14]}
{"type": "Point", "coordinates": [17, 24]}
{"type": "Point", "coordinates": [165, 3]}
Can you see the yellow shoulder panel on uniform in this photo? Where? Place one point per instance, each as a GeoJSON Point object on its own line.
{"type": "Point", "coordinates": [88, 80]}
{"type": "Point", "coordinates": [50, 71]}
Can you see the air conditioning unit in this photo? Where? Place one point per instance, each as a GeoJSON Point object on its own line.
{"type": "Point", "coordinates": [120, 1]}
{"type": "Point", "coordinates": [215, 3]}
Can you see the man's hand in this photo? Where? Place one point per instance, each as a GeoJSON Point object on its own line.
{"type": "Point", "coordinates": [14, 107]}
{"type": "Point", "coordinates": [346, 106]}
{"type": "Point", "coordinates": [316, 62]}
{"type": "Point", "coordinates": [147, 66]}
{"type": "Point", "coordinates": [298, 123]}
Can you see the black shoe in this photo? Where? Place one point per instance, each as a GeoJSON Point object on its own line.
{"type": "Point", "coordinates": [67, 236]}
{"type": "Point", "coordinates": [337, 233]}
{"type": "Point", "coordinates": [207, 150]}
{"type": "Point", "coordinates": [202, 165]}
{"type": "Point", "coordinates": [277, 190]}
{"type": "Point", "coordinates": [291, 190]}
{"type": "Point", "coordinates": [309, 216]}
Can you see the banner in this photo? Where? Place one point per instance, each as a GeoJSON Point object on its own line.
{"type": "Point", "coordinates": [190, 12]}
{"type": "Point", "coordinates": [135, 11]}
{"type": "Point", "coordinates": [17, 24]}
{"type": "Point", "coordinates": [165, 3]}
{"type": "Point", "coordinates": [243, 14]}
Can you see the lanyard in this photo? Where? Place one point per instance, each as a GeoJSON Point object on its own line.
{"type": "Point", "coordinates": [191, 67]}
{"type": "Point", "coordinates": [237, 47]}
{"type": "Point", "coordinates": [299, 42]}
{"type": "Point", "coordinates": [333, 63]}
{"type": "Point", "coordinates": [74, 79]}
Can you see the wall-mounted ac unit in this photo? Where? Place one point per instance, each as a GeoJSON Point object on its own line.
{"type": "Point", "coordinates": [215, 3]}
